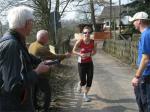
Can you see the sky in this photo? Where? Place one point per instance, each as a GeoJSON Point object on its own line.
{"type": "Point", "coordinates": [122, 1]}
{"type": "Point", "coordinates": [72, 15]}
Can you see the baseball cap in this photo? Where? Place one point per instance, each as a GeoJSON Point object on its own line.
{"type": "Point", "coordinates": [139, 15]}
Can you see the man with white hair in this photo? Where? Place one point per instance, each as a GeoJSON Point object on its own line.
{"type": "Point", "coordinates": [39, 49]}
{"type": "Point", "coordinates": [17, 75]}
{"type": "Point", "coordinates": [141, 80]}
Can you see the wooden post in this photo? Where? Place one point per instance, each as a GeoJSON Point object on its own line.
{"type": "Point", "coordinates": [110, 15]}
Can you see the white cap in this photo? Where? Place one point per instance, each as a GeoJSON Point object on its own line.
{"type": "Point", "coordinates": [139, 15]}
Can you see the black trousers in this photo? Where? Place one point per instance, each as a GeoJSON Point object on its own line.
{"type": "Point", "coordinates": [43, 86]}
{"type": "Point", "coordinates": [10, 102]}
{"type": "Point", "coordinates": [86, 73]}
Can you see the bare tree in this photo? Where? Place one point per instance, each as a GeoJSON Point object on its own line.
{"type": "Point", "coordinates": [48, 14]}
{"type": "Point", "coordinates": [5, 5]}
{"type": "Point", "coordinates": [93, 14]}
{"type": "Point", "coordinates": [88, 8]}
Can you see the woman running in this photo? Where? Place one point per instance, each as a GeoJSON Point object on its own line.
{"type": "Point", "coordinates": [85, 49]}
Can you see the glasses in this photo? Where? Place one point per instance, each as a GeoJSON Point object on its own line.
{"type": "Point", "coordinates": [86, 32]}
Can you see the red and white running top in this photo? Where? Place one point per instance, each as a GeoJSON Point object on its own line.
{"type": "Point", "coordinates": [86, 49]}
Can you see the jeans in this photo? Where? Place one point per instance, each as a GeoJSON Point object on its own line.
{"type": "Point", "coordinates": [142, 93]}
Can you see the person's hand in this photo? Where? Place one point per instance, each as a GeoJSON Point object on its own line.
{"type": "Point", "coordinates": [135, 81]}
{"type": "Point", "coordinates": [42, 68]}
{"type": "Point", "coordinates": [68, 54]}
{"type": "Point", "coordinates": [83, 55]}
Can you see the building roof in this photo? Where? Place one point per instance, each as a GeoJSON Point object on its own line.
{"type": "Point", "coordinates": [115, 12]}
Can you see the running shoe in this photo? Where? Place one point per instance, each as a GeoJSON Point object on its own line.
{"type": "Point", "coordinates": [86, 98]}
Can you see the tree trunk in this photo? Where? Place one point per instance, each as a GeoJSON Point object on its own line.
{"type": "Point", "coordinates": [93, 15]}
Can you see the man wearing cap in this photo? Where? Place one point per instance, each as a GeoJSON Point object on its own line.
{"type": "Point", "coordinates": [141, 80]}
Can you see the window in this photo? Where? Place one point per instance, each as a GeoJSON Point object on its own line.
{"type": "Point", "coordinates": [107, 23]}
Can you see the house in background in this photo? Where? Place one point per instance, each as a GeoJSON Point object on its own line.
{"type": "Point", "coordinates": [99, 27]}
{"type": "Point", "coordinates": [115, 17]}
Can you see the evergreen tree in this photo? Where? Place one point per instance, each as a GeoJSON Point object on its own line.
{"type": "Point", "coordinates": [138, 5]}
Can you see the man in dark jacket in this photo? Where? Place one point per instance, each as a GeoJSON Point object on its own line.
{"type": "Point", "coordinates": [17, 74]}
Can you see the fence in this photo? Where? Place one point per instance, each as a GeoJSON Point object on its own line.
{"type": "Point", "coordinates": [125, 50]}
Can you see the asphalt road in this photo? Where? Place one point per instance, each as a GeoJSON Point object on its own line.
{"type": "Point", "coordinates": [111, 89]}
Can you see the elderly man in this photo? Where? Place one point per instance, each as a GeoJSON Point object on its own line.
{"type": "Point", "coordinates": [17, 74]}
{"type": "Point", "coordinates": [38, 49]}
{"type": "Point", "coordinates": [141, 80]}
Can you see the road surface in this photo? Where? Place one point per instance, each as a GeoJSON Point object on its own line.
{"type": "Point", "coordinates": [111, 89]}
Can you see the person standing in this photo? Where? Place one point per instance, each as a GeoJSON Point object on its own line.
{"type": "Point", "coordinates": [39, 49]}
{"type": "Point", "coordinates": [17, 75]}
{"type": "Point", "coordinates": [141, 80]}
{"type": "Point", "coordinates": [85, 49]}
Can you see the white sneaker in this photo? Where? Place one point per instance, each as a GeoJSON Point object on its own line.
{"type": "Point", "coordinates": [86, 98]}
{"type": "Point", "coordinates": [79, 88]}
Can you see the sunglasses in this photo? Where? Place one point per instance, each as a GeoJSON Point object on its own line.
{"type": "Point", "coordinates": [86, 32]}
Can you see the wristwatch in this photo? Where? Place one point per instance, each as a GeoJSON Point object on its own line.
{"type": "Point", "coordinates": [137, 77]}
